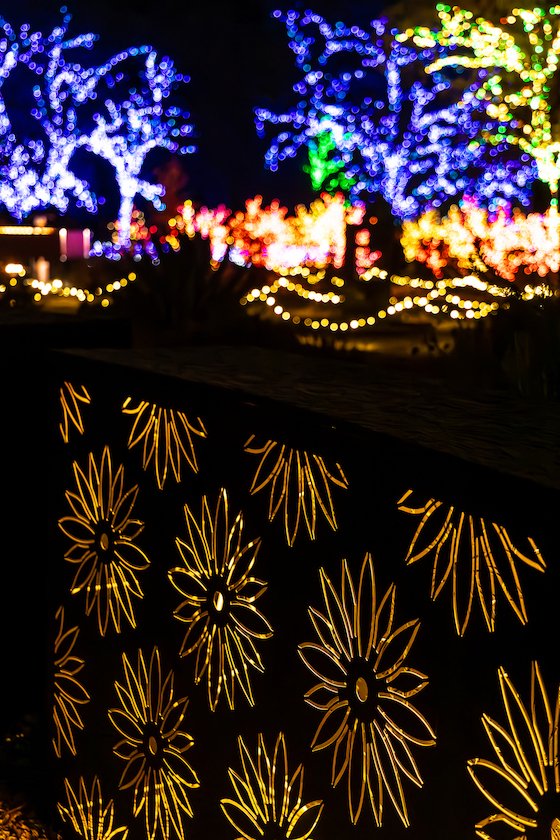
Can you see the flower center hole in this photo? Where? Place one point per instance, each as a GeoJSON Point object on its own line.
{"type": "Point", "coordinates": [362, 691]}
{"type": "Point", "coordinates": [152, 745]}
{"type": "Point", "coordinates": [104, 541]}
{"type": "Point", "coordinates": [218, 601]}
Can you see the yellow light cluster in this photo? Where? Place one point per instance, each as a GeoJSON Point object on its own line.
{"type": "Point", "coordinates": [470, 240]}
{"type": "Point", "coordinates": [532, 292]}
{"type": "Point", "coordinates": [58, 288]}
{"type": "Point", "coordinates": [14, 268]}
{"type": "Point", "coordinates": [26, 230]}
{"type": "Point", "coordinates": [281, 283]}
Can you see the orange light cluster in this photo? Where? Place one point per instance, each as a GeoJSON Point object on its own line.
{"type": "Point", "coordinates": [266, 236]}
{"type": "Point", "coordinates": [470, 239]}
{"type": "Point", "coordinates": [139, 230]}
{"type": "Point", "coordinates": [208, 223]}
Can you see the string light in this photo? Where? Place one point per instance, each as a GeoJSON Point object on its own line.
{"type": "Point", "coordinates": [26, 230]}
{"type": "Point", "coordinates": [441, 299]}
{"type": "Point", "coordinates": [41, 290]}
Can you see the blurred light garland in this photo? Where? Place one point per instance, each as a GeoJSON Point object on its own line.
{"type": "Point", "coordinates": [441, 298]}
{"type": "Point", "coordinates": [41, 290]}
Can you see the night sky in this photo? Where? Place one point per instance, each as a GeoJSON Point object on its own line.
{"type": "Point", "coordinates": [238, 58]}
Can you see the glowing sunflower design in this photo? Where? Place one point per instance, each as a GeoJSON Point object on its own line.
{"type": "Point", "coordinates": [153, 745]}
{"type": "Point", "coordinates": [69, 693]}
{"type": "Point", "coordinates": [103, 532]}
{"type": "Point", "coordinates": [298, 483]}
{"type": "Point", "coordinates": [220, 594]}
{"type": "Point", "coordinates": [88, 814]}
{"type": "Point", "coordinates": [522, 782]}
{"type": "Point", "coordinates": [365, 692]}
{"type": "Point", "coordinates": [479, 559]}
{"type": "Point", "coordinates": [269, 801]}
{"type": "Point", "coordinates": [166, 436]}
{"type": "Point", "coordinates": [71, 401]}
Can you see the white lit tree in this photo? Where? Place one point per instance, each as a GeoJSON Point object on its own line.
{"type": "Point", "coordinates": [135, 119]}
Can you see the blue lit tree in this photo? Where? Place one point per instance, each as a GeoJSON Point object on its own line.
{"type": "Point", "coordinates": [373, 121]}
{"type": "Point", "coordinates": [35, 165]}
{"type": "Point", "coordinates": [119, 110]}
{"type": "Point", "coordinates": [135, 119]}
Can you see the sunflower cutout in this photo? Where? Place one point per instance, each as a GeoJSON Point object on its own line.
{"type": "Point", "coordinates": [166, 436]}
{"type": "Point", "coordinates": [219, 595]}
{"type": "Point", "coordinates": [72, 400]}
{"type": "Point", "coordinates": [150, 720]}
{"type": "Point", "coordinates": [103, 531]}
{"type": "Point", "coordinates": [269, 799]}
{"type": "Point", "coordinates": [88, 814]}
{"type": "Point", "coordinates": [521, 782]}
{"type": "Point", "coordinates": [299, 484]}
{"type": "Point", "coordinates": [69, 693]}
{"type": "Point", "coordinates": [478, 557]}
{"type": "Point", "coordinates": [366, 692]}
